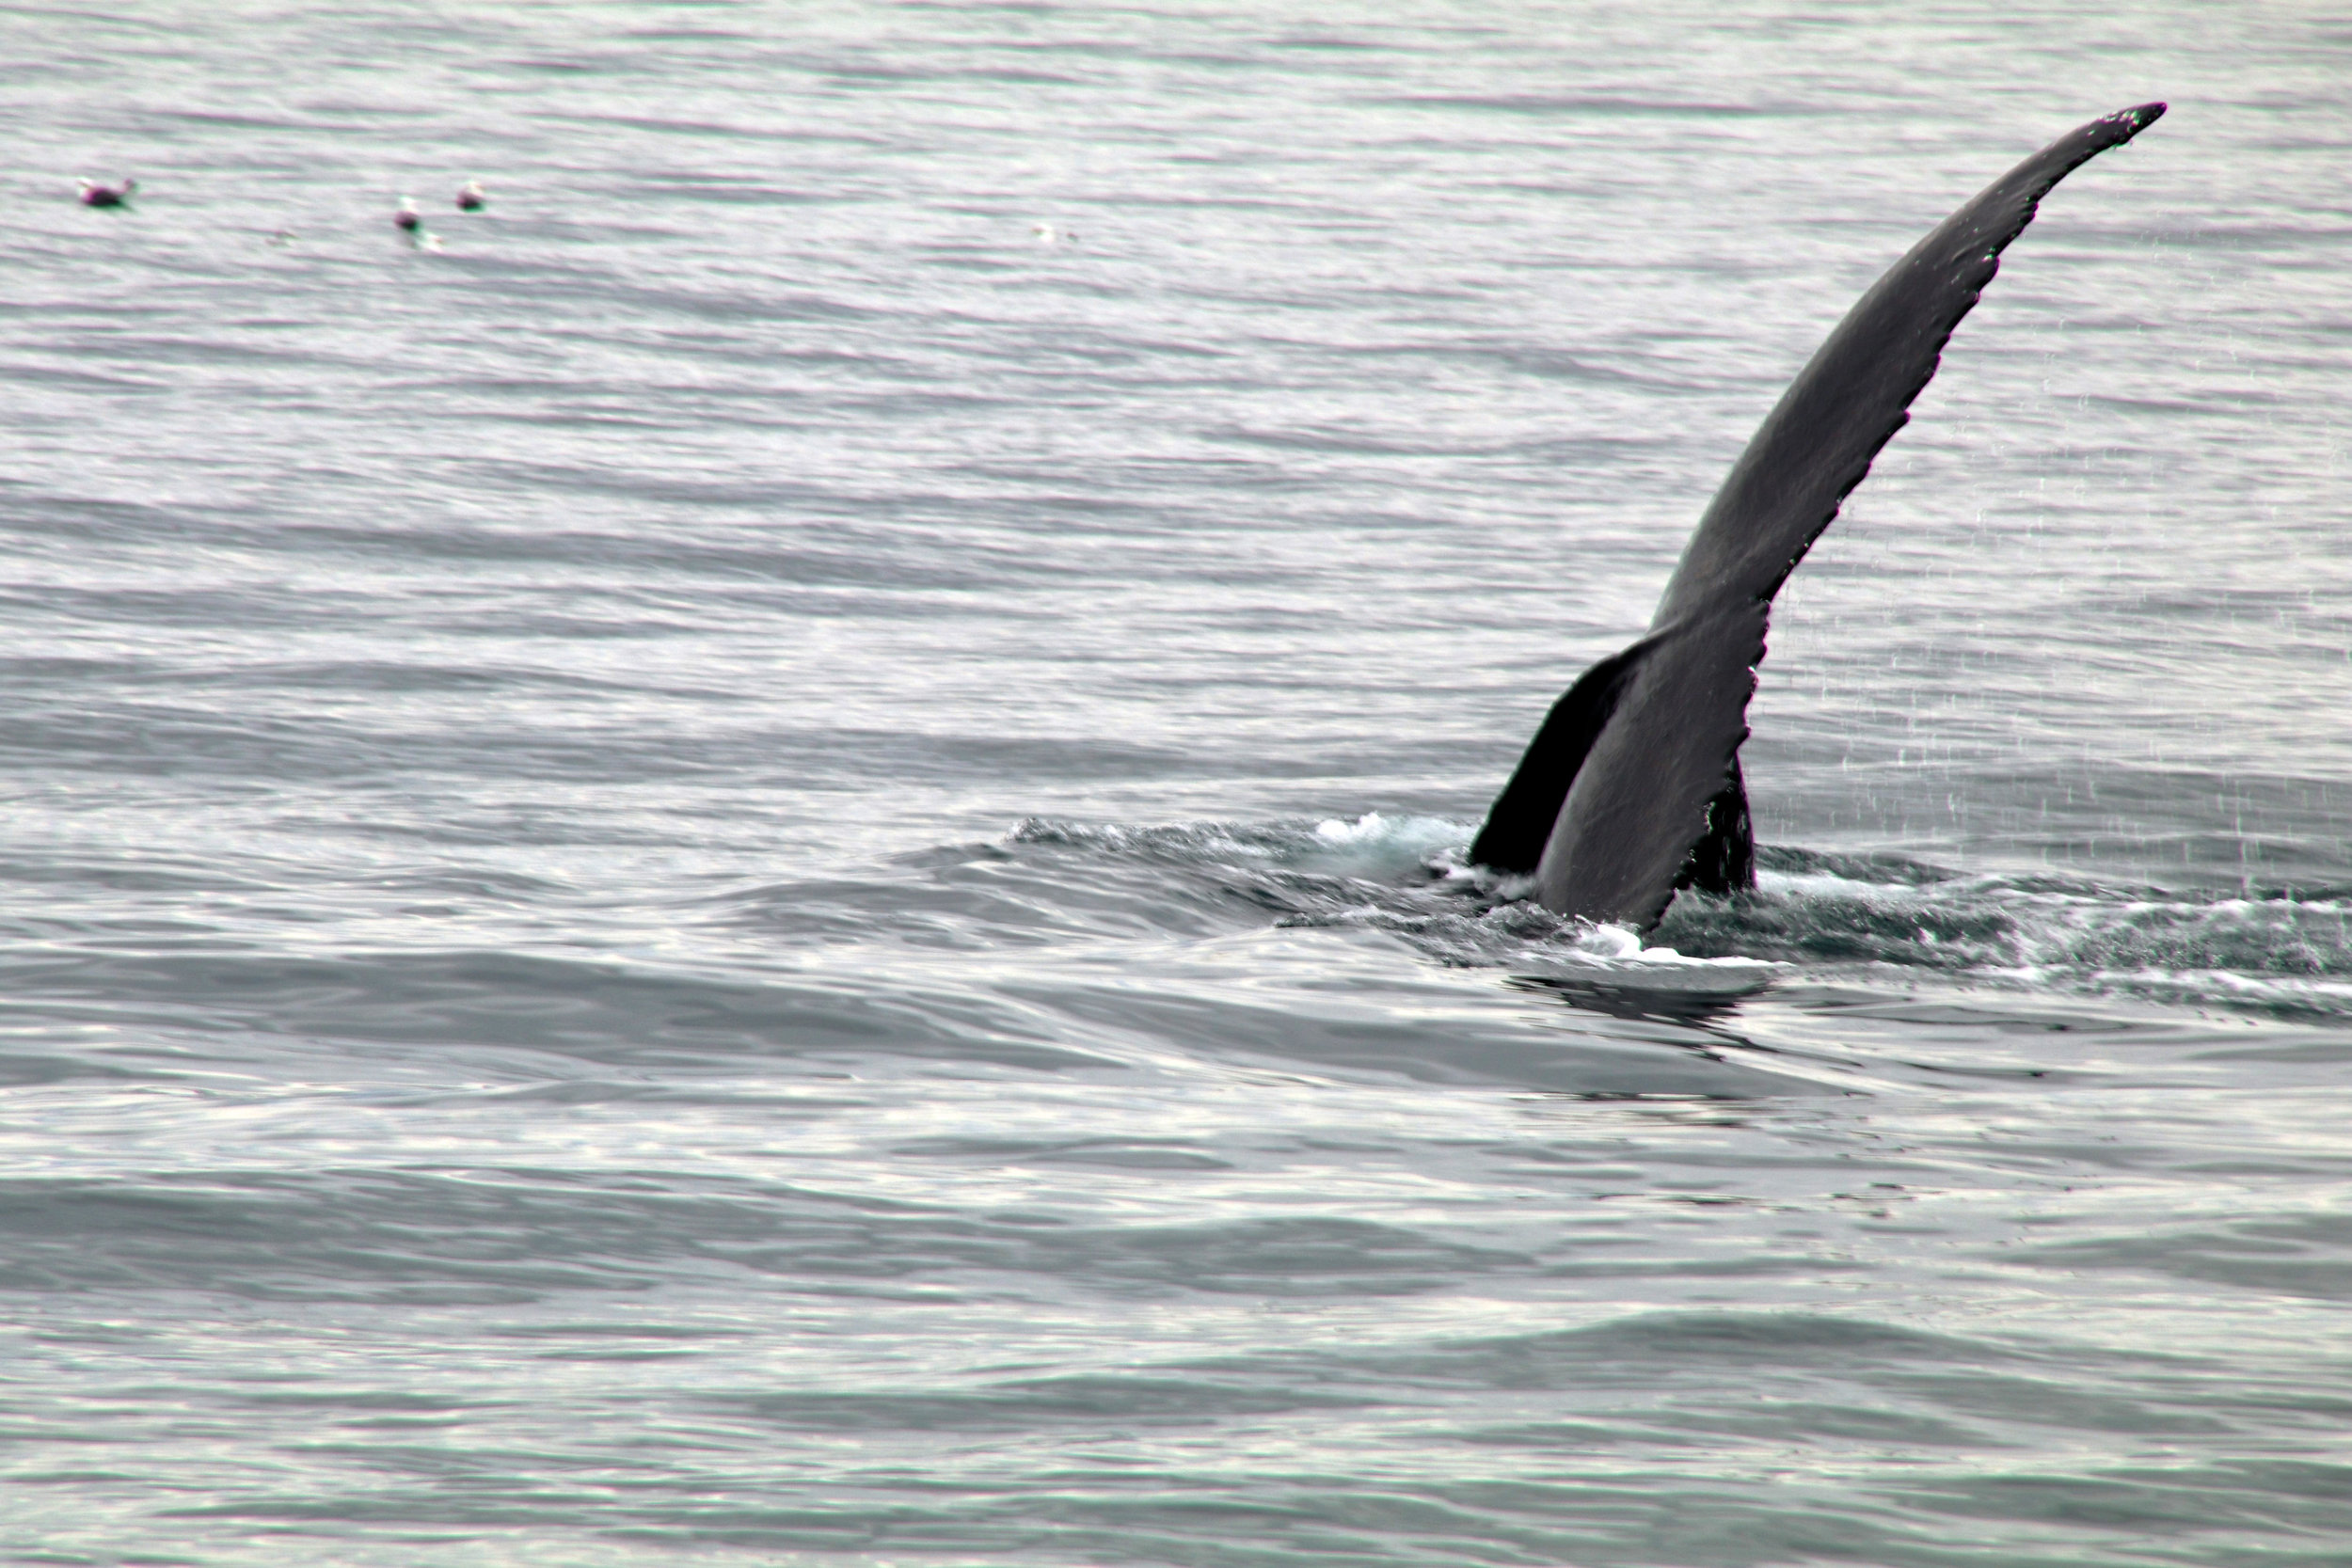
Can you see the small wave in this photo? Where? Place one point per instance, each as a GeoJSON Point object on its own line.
{"type": "Point", "coordinates": [1402, 874]}
{"type": "Point", "coordinates": [1423, 834]}
{"type": "Point", "coordinates": [2285, 952]}
{"type": "Point", "coordinates": [1616, 955]}
{"type": "Point", "coordinates": [1180, 841]}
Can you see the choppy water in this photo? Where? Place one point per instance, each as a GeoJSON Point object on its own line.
{"type": "Point", "coordinates": [757, 866]}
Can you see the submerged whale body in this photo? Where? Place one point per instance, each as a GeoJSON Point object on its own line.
{"type": "Point", "coordinates": [1631, 789]}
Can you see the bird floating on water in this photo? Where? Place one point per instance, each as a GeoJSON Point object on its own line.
{"type": "Point", "coordinates": [473, 197]}
{"type": "Point", "coordinates": [94, 193]}
{"type": "Point", "coordinates": [411, 223]}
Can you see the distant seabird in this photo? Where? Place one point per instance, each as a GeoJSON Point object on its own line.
{"type": "Point", "coordinates": [473, 197]}
{"type": "Point", "coordinates": [96, 195]}
{"type": "Point", "coordinates": [411, 223]}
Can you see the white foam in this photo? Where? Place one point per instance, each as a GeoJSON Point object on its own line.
{"type": "Point", "coordinates": [1623, 945]}
{"type": "Point", "coordinates": [1405, 836]}
{"type": "Point", "coordinates": [1829, 884]}
{"type": "Point", "coordinates": [1615, 954]}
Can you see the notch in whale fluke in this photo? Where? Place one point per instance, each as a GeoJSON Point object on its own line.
{"type": "Point", "coordinates": [1631, 788]}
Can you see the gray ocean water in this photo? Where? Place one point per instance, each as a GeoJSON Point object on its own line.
{"type": "Point", "coordinates": [758, 859]}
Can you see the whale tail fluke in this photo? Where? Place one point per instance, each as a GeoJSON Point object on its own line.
{"type": "Point", "coordinates": [1631, 789]}
{"type": "Point", "coordinates": [1519, 824]}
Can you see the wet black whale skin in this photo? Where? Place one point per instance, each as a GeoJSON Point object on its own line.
{"type": "Point", "coordinates": [1631, 788]}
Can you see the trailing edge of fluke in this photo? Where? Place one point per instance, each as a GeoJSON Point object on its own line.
{"type": "Point", "coordinates": [1631, 788]}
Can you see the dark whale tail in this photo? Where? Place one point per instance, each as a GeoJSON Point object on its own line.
{"type": "Point", "coordinates": [1631, 788]}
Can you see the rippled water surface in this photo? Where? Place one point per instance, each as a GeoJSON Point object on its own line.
{"type": "Point", "coordinates": [758, 858]}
